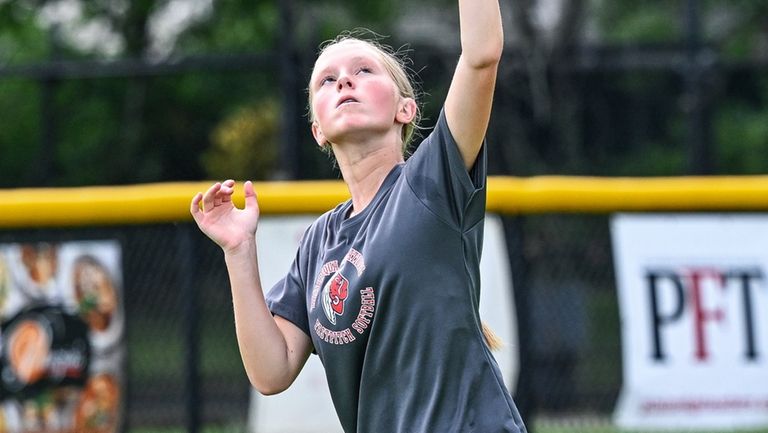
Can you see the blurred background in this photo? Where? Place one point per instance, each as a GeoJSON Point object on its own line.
{"type": "Point", "coordinates": [113, 92]}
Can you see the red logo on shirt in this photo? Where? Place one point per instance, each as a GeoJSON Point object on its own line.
{"type": "Point", "coordinates": [335, 293]}
{"type": "Point", "coordinates": [332, 290]}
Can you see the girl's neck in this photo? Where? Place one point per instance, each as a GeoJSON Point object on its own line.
{"type": "Point", "coordinates": [364, 169]}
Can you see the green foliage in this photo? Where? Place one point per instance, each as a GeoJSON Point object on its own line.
{"type": "Point", "coordinates": [653, 160]}
{"type": "Point", "coordinates": [745, 34]}
{"type": "Point", "coordinates": [20, 41]}
{"type": "Point", "coordinates": [193, 125]}
{"type": "Point", "coordinates": [736, 27]}
{"type": "Point", "coordinates": [19, 136]}
{"type": "Point", "coordinates": [655, 126]}
{"type": "Point", "coordinates": [88, 133]}
{"type": "Point", "coordinates": [638, 22]}
{"type": "Point", "coordinates": [234, 26]}
{"type": "Point", "coordinates": [742, 136]}
{"type": "Point", "coordinates": [245, 143]}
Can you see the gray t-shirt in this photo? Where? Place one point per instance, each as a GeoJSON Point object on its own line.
{"type": "Point", "coordinates": [390, 299]}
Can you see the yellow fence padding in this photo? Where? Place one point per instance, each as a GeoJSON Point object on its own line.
{"type": "Point", "coordinates": [169, 202]}
{"type": "Point", "coordinates": [607, 195]}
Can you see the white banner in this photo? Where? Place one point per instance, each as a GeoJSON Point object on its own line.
{"type": "Point", "coordinates": [693, 299]}
{"type": "Point", "coordinates": [288, 412]}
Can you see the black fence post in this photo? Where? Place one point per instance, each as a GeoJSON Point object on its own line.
{"type": "Point", "coordinates": [43, 172]}
{"type": "Point", "coordinates": [191, 320]}
{"type": "Point", "coordinates": [696, 105]}
{"type": "Point", "coordinates": [525, 398]}
{"type": "Point", "coordinates": [289, 84]}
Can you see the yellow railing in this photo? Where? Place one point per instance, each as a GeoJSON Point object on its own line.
{"type": "Point", "coordinates": [169, 202]}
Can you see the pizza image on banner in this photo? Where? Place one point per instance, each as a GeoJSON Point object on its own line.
{"type": "Point", "coordinates": [61, 337]}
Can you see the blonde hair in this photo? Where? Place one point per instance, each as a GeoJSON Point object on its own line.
{"type": "Point", "coordinates": [395, 63]}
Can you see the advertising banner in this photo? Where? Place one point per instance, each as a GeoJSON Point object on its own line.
{"type": "Point", "coordinates": [693, 300]}
{"type": "Point", "coordinates": [61, 328]}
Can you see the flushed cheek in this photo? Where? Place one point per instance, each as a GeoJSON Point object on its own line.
{"type": "Point", "coordinates": [383, 96]}
{"type": "Point", "coordinates": [321, 104]}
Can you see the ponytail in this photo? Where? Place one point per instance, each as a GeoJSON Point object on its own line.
{"type": "Point", "coordinates": [491, 339]}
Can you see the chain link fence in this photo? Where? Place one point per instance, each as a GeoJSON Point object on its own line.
{"type": "Point", "coordinates": [184, 372]}
{"type": "Point", "coordinates": [182, 360]}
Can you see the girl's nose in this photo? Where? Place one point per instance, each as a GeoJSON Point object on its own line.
{"type": "Point", "coordinates": [343, 82]}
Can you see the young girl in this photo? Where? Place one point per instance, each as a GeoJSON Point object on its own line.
{"type": "Point", "coordinates": [385, 287]}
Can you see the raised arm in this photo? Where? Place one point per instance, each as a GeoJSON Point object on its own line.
{"type": "Point", "coordinates": [470, 96]}
{"type": "Point", "coordinates": [273, 349]}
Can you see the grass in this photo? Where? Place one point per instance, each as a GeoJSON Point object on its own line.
{"type": "Point", "coordinates": [216, 429]}
{"type": "Point", "coordinates": [540, 427]}
{"type": "Point", "coordinates": [157, 348]}
{"type": "Point", "coordinates": [611, 429]}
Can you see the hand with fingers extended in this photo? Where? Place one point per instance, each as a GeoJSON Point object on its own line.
{"type": "Point", "coordinates": [220, 220]}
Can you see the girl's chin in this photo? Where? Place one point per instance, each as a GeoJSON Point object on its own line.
{"type": "Point", "coordinates": [357, 132]}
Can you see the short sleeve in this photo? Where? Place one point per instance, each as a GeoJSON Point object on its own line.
{"type": "Point", "coordinates": [287, 298]}
{"type": "Point", "coordinates": [437, 175]}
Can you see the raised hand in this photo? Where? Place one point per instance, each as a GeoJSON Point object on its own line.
{"type": "Point", "coordinates": [221, 221]}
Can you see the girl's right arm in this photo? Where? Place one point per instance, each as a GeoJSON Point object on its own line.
{"type": "Point", "coordinates": [273, 349]}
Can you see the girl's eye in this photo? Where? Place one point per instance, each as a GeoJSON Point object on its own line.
{"type": "Point", "coordinates": [326, 80]}
{"type": "Point", "coordinates": [364, 69]}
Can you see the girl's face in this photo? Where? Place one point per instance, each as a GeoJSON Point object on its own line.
{"type": "Point", "coordinates": [353, 96]}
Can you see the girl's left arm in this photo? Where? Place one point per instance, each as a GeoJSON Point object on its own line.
{"type": "Point", "coordinates": [470, 96]}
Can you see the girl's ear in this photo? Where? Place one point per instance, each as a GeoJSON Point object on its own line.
{"type": "Point", "coordinates": [406, 111]}
{"type": "Point", "coordinates": [318, 134]}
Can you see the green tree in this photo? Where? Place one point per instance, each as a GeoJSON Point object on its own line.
{"type": "Point", "coordinates": [244, 144]}
{"type": "Point", "coordinates": [555, 116]}
{"type": "Point", "coordinates": [627, 114]}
